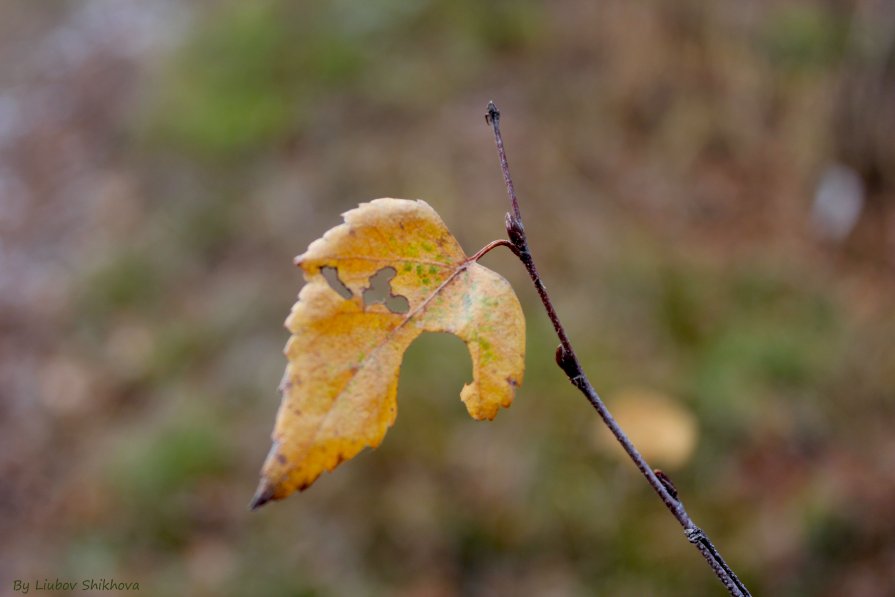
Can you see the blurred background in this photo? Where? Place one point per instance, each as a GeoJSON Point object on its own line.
{"type": "Point", "coordinates": [709, 191]}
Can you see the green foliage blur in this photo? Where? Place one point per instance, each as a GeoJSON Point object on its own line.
{"type": "Point", "coordinates": [666, 156]}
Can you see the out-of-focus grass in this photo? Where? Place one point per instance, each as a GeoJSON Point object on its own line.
{"type": "Point", "coordinates": [128, 281]}
{"type": "Point", "coordinates": [801, 37]}
{"type": "Point", "coordinates": [173, 460]}
{"type": "Point", "coordinates": [257, 74]}
{"type": "Point", "coordinates": [234, 88]}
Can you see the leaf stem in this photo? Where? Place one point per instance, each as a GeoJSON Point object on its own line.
{"type": "Point", "coordinates": [502, 242]}
{"type": "Point", "coordinates": [568, 362]}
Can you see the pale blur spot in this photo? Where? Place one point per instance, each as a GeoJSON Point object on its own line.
{"type": "Point", "coordinates": [210, 563]}
{"type": "Point", "coordinates": [65, 386]}
{"type": "Point", "coordinates": [837, 203]}
{"type": "Point", "coordinates": [128, 349]}
{"type": "Point", "coordinates": [663, 430]}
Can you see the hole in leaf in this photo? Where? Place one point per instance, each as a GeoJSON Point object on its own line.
{"type": "Point", "coordinates": [335, 282]}
{"type": "Point", "coordinates": [380, 291]}
{"type": "Point", "coordinates": [397, 303]}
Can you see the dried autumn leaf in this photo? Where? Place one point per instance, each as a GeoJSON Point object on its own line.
{"type": "Point", "coordinates": [338, 392]}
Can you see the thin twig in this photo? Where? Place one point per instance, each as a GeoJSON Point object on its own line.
{"type": "Point", "coordinates": [568, 362]}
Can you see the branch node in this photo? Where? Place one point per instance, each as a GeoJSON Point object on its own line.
{"type": "Point", "coordinates": [568, 364]}
{"type": "Point", "coordinates": [516, 231]}
{"type": "Point", "coordinates": [666, 483]}
{"type": "Point", "coordinates": [694, 535]}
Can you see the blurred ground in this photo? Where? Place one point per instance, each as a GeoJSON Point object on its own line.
{"type": "Point", "coordinates": [709, 193]}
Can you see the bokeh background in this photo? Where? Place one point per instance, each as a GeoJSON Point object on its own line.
{"type": "Point", "coordinates": [709, 191]}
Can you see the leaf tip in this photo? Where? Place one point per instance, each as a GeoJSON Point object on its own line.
{"type": "Point", "coordinates": [263, 494]}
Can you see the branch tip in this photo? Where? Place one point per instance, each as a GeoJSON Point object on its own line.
{"type": "Point", "coordinates": [493, 114]}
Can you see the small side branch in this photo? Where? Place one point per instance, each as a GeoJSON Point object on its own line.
{"type": "Point", "coordinates": [569, 363]}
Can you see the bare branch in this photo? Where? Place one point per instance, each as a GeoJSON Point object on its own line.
{"type": "Point", "coordinates": [568, 362]}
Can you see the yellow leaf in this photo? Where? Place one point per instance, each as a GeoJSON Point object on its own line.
{"type": "Point", "coordinates": [338, 392]}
